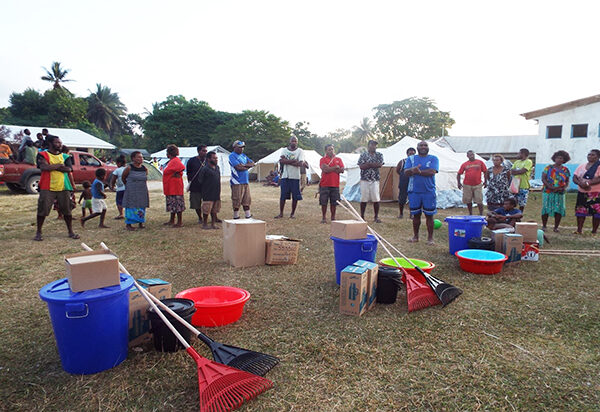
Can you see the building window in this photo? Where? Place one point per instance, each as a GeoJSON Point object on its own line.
{"type": "Point", "coordinates": [553, 132]}
{"type": "Point", "coordinates": [579, 130]}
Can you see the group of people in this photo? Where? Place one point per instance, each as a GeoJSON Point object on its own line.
{"type": "Point", "coordinates": [28, 149]}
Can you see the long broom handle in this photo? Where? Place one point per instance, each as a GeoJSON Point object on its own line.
{"type": "Point", "coordinates": [159, 302]}
{"type": "Point", "coordinates": [145, 295]}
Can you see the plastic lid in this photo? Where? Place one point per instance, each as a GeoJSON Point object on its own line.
{"type": "Point", "coordinates": [183, 307]}
{"type": "Point", "coordinates": [368, 238]}
{"type": "Point", "coordinates": [465, 219]}
{"type": "Point", "coordinates": [386, 271]}
{"type": "Point", "coordinates": [59, 291]}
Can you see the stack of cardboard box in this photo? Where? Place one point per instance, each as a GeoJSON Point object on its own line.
{"type": "Point", "coordinates": [358, 287]}
{"type": "Point", "coordinates": [519, 243]}
{"type": "Point", "coordinates": [139, 322]}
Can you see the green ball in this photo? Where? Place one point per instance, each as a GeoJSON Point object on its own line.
{"type": "Point", "coordinates": [437, 223]}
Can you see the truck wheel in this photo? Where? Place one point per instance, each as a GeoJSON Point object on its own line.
{"type": "Point", "coordinates": [15, 188]}
{"type": "Point", "coordinates": [32, 184]}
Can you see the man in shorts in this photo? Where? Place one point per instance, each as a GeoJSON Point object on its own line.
{"type": "Point", "coordinates": [240, 189]}
{"type": "Point", "coordinates": [421, 168]}
{"type": "Point", "coordinates": [210, 180]}
{"type": "Point", "coordinates": [369, 163]}
{"type": "Point", "coordinates": [522, 169]}
{"type": "Point", "coordinates": [54, 185]}
{"type": "Point", "coordinates": [329, 186]}
{"type": "Point", "coordinates": [472, 187]}
{"type": "Point", "coordinates": [292, 159]}
{"type": "Point", "coordinates": [192, 170]}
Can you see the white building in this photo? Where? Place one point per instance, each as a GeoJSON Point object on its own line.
{"type": "Point", "coordinates": [572, 126]}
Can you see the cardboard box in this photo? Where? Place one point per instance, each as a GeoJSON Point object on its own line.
{"type": "Point", "coordinates": [531, 251]}
{"type": "Point", "coordinates": [513, 246]}
{"type": "Point", "coordinates": [373, 272]}
{"type": "Point", "coordinates": [282, 250]}
{"type": "Point", "coordinates": [498, 236]}
{"type": "Point", "coordinates": [349, 229]}
{"type": "Point", "coordinates": [92, 270]}
{"type": "Point", "coordinates": [529, 231]}
{"type": "Point", "coordinates": [244, 242]}
{"type": "Point", "coordinates": [139, 322]}
{"type": "Point", "coordinates": [353, 290]}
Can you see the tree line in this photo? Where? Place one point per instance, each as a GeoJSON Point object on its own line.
{"type": "Point", "coordinates": [190, 122]}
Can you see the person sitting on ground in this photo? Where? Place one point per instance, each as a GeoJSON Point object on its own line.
{"type": "Point", "coordinates": [98, 196]}
{"type": "Point", "coordinates": [86, 196]}
{"type": "Point", "coordinates": [272, 178]}
{"type": "Point", "coordinates": [504, 217]}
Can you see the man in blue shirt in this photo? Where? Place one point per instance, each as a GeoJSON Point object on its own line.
{"type": "Point", "coordinates": [240, 191]}
{"type": "Point", "coordinates": [421, 169]}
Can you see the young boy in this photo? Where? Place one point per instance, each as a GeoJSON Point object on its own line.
{"type": "Point", "coordinates": [504, 217]}
{"type": "Point", "coordinates": [98, 196]}
{"type": "Point", "coordinates": [86, 196]}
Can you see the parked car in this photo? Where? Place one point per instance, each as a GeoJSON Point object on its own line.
{"type": "Point", "coordinates": [21, 177]}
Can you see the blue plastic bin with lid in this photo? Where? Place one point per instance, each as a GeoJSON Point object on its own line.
{"type": "Point", "coordinates": [461, 229]}
{"type": "Point", "coordinates": [348, 251]}
{"type": "Point", "coordinates": [90, 327]}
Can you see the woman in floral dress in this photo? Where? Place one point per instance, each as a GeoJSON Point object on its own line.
{"type": "Point", "coordinates": [498, 182]}
{"type": "Point", "coordinates": [556, 180]}
{"type": "Point", "coordinates": [587, 177]}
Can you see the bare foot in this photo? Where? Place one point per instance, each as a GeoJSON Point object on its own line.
{"type": "Point", "coordinates": [205, 227]}
{"type": "Point", "coordinates": [177, 225]}
{"type": "Point", "coordinates": [38, 237]}
{"type": "Point", "coordinates": [140, 226]}
{"type": "Point", "coordinates": [430, 242]}
{"type": "Point", "coordinates": [292, 217]}
{"type": "Point", "coordinates": [73, 235]}
{"type": "Point", "coordinates": [278, 217]}
{"type": "Point", "coordinates": [130, 228]}
{"type": "Point", "coordinates": [324, 221]}
{"type": "Point", "coordinates": [556, 230]}
{"type": "Point", "coordinates": [169, 223]}
{"type": "Point", "coordinates": [103, 227]}
{"type": "Point", "coordinates": [377, 220]}
{"type": "Point", "coordinates": [82, 222]}
{"type": "Point", "coordinates": [413, 240]}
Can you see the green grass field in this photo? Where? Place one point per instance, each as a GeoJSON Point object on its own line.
{"type": "Point", "coordinates": [526, 339]}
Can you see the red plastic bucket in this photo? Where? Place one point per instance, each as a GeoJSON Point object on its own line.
{"type": "Point", "coordinates": [216, 305]}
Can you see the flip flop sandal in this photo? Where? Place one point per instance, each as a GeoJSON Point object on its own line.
{"type": "Point", "coordinates": [74, 236]}
{"type": "Point", "coordinates": [38, 238]}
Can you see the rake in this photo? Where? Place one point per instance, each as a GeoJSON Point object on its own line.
{"type": "Point", "coordinates": [220, 387]}
{"type": "Point", "coordinates": [445, 292]}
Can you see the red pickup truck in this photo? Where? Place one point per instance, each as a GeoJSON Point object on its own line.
{"type": "Point", "coordinates": [23, 176]}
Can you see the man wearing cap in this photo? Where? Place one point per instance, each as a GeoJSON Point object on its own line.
{"type": "Point", "coordinates": [240, 191]}
{"type": "Point", "coordinates": [369, 163]}
{"type": "Point", "coordinates": [292, 159]}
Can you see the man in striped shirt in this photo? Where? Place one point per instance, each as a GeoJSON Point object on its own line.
{"type": "Point", "coordinates": [240, 191]}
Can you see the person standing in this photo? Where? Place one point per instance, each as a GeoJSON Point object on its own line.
{"type": "Point", "coordinates": [29, 153]}
{"type": "Point", "coordinates": [587, 177]}
{"type": "Point", "coordinates": [54, 185]}
{"type": "Point", "coordinates": [329, 186]}
{"type": "Point", "coordinates": [40, 142]}
{"type": "Point", "coordinates": [421, 169]}
{"type": "Point", "coordinates": [136, 198]}
{"type": "Point", "coordinates": [522, 169]}
{"type": "Point", "coordinates": [192, 170]}
{"type": "Point", "coordinates": [471, 187]}
{"type": "Point", "coordinates": [98, 196]}
{"type": "Point", "coordinates": [556, 180]}
{"type": "Point", "coordinates": [240, 189]}
{"type": "Point", "coordinates": [26, 139]}
{"type": "Point", "coordinates": [403, 183]}
{"type": "Point", "coordinates": [173, 186]}
{"type": "Point", "coordinates": [210, 180]}
{"type": "Point", "coordinates": [369, 163]}
{"type": "Point", "coordinates": [5, 151]}
{"type": "Point", "coordinates": [498, 180]}
{"type": "Point", "coordinates": [292, 159]}
{"type": "Point", "coordinates": [116, 183]}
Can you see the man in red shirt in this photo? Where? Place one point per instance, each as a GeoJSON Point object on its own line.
{"type": "Point", "coordinates": [472, 188]}
{"type": "Point", "coordinates": [329, 186]}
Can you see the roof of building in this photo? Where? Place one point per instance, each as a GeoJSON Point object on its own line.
{"type": "Point", "coordinates": [187, 152]}
{"type": "Point", "coordinates": [72, 138]}
{"type": "Point", "coordinates": [483, 145]}
{"type": "Point", "coordinates": [561, 107]}
{"type": "Point", "coordinates": [128, 152]}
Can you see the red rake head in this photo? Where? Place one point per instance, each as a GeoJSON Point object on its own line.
{"type": "Point", "coordinates": [419, 295]}
{"type": "Point", "coordinates": [223, 388]}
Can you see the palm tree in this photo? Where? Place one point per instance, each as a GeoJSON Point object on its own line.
{"type": "Point", "coordinates": [105, 109]}
{"type": "Point", "coordinates": [56, 75]}
{"type": "Point", "coordinates": [365, 131]}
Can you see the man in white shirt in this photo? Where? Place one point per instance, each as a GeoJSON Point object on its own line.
{"type": "Point", "coordinates": [292, 159]}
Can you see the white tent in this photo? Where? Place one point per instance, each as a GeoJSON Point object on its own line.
{"type": "Point", "coordinates": [269, 162]}
{"type": "Point", "coordinates": [448, 194]}
{"type": "Point", "coordinates": [74, 139]}
{"type": "Point", "coordinates": [186, 153]}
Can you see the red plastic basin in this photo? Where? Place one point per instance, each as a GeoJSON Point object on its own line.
{"type": "Point", "coordinates": [216, 305]}
{"type": "Point", "coordinates": [480, 262]}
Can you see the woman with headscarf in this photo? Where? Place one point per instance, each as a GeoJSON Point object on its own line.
{"type": "Point", "coordinates": [587, 177]}
{"type": "Point", "coordinates": [173, 186]}
{"type": "Point", "coordinates": [498, 182]}
{"type": "Point", "coordinates": [135, 198]}
{"type": "Point", "coordinates": [556, 180]}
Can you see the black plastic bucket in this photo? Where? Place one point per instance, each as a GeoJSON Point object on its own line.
{"type": "Point", "coordinates": [388, 284]}
{"type": "Point", "coordinates": [164, 340]}
{"type": "Point", "coordinates": [482, 243]}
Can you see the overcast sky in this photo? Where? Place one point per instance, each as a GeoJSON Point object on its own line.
{"type": "Point", "coordinates": [325, 62]}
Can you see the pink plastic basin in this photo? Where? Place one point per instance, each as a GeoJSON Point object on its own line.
{"type": "Point", "coordinates": [216, 305]}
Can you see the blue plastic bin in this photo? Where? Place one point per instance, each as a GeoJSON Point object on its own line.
{"type": "Point", "coordinates": [90, 327]}
{"type": "Point", "coordinates": [461, 229]}
{"type": "Point", "coordinates": [348, 251]}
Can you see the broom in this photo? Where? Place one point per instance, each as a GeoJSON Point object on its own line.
{"type": "Point", "coordinates": [243, 359]}
{"type": "Point", "coordinates": [418, 293]}
{"type": "Point", "coordinates": [220, 387]}
{"type": "Point", "coordinates": [444, 291]}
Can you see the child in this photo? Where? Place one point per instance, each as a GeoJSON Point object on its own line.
{"type": "Point", "coordinates": [86, 196]}
{"type": "Point", "coordinates": [504, 217]}
{"type": "Point", "coordinates": [98, 196]}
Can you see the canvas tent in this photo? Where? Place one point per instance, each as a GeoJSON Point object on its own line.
{"type": "Point", "coordinates": [268, 163]}
{"type": "Point", "coordinates": [74, 139]}
{"type": "Point", "coordinates": [448, 194]}
{"type": "Point", "coordinates": [186, 153]}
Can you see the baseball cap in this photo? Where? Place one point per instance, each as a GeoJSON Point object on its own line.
{"type": "Point", "coordinates": [239, 143]}
{"type": "Point", "coordinates": [372, 141]}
